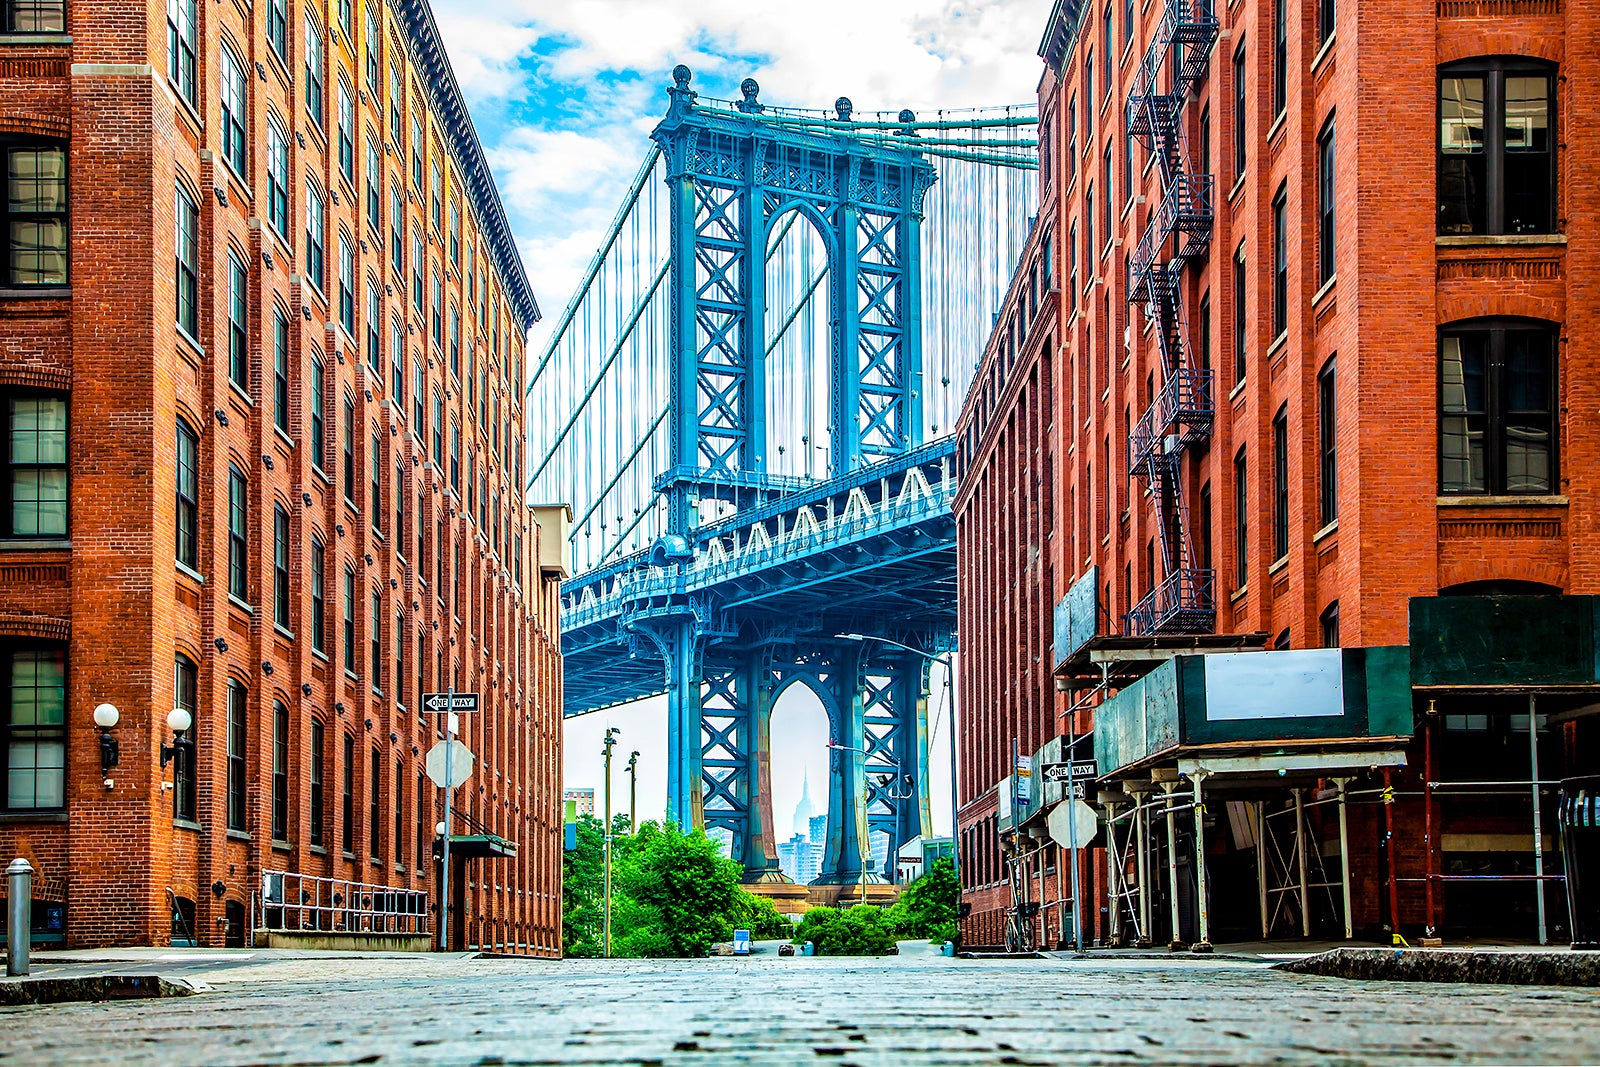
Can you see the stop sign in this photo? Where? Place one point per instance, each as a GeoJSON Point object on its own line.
{"type": "Point", "coordinates": [1072, 816]}
{"type": "Point", "coordinates": [461, 761]}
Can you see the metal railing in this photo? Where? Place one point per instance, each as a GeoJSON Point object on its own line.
{"type": "Point", "coordinates": [302, 902]}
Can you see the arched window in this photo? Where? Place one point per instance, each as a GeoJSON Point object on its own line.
{"type": "Point", "coordinates": [277, 178]}
{"type": "Point", "coordinates": [1496, 149]}
{"type": "Point", "coordinates": [280, 771]}
{"type": "Point", "coordinates": [188, 495]}
{"type": "Point", "coordinates": [314, 71]}
{"type": "Point", "coordinates": [235, 109]}
{"type": "Point", "coordinates": [184, 777]}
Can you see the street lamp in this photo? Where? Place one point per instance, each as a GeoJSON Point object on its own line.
{"type": "Point", "coordinates": [178, 721]}
{"type": "Point", "coordinates": [633, 791]}
{"type": "Point", "coordinates": [106, 716]}
{"type": "Point", "coordinates": [944, 658]}
{"type": "Point", "coordinates": [610, 743]}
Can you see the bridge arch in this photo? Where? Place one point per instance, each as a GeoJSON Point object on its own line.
{"type": "Point", "coordinates": [799, 346]}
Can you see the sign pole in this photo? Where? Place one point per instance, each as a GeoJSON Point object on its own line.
{"type": "Point", "coordinates": [1072, 839]}
{"type": "Point", "coordinates": [444, 875]}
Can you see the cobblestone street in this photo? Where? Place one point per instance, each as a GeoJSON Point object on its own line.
{"type": "Point", "coordinates": [917, 1008]}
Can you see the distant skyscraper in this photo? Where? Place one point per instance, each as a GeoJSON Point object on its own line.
{"type": "Point", "coordinates": [805, 812]}
{"type": "Point", "coordinates": [818, 830]}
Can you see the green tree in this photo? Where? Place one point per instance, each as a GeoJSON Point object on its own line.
{"type": "Point", "coordinates": [929, 906]}
{"type": "Point", "coordinates": [759, 915]}
{"type": "Point", "coordinates": [685, 887]}
{"type": "Point", "coordinates": [864, 930]}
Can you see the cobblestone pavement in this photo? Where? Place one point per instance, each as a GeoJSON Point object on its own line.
{"type": "Point", "coordinates": [918, 1008]}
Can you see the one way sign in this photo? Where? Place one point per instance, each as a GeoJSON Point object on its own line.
{"type": "Point", "coordinates": [457, 702]}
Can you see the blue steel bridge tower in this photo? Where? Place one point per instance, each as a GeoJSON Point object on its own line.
{"type": "Point", "coordinates": [754, 578]}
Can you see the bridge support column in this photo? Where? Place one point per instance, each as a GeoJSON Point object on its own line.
{"type": "Point", "coordinates": [841, 859]}
{"type": "Point", "coordinates": [684, 804]}
{"type": "Point", "coordinates": [735, 714]}
{"type": "Point", "coordinates": [895, 712]}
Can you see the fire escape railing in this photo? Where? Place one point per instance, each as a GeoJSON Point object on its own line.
{"type": "Point", "coordinates": [1181, 414]}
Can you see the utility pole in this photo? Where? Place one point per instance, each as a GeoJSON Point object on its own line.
{"type": "Point", "coordinates": [633, 792]}
{"type": "Point", "coordinates": [611, 740]}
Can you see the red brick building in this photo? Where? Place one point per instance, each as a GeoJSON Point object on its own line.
{"type": "Point", "coordinates": [261, 345]}
{"type": "Point", "coordinates": [1307, 370]}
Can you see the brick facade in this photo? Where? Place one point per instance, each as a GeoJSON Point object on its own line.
{"type": "Point", "coordinates": [451, 555]}
{"type": "Point", "coordinates": [1072, 362]}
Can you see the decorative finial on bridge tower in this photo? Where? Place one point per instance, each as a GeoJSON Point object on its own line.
{"type": "Point", "coordinates": [681, 98]}
{"type": "Point", "coordinates": [750, 88]}
{"type": "Point", "coordinates": [843, 107]}
{"type": "Point", "coordinates": [908, 116]}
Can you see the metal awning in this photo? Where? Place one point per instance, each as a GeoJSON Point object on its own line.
{"type": "Point", "coordinates": [482, 846]}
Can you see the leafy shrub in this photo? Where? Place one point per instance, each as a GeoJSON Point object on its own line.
{"type": "Point", "coordinates": [864, 930]}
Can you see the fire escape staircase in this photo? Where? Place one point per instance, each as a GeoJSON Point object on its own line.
{"type": "Point", "coordinates": [1178, 232]}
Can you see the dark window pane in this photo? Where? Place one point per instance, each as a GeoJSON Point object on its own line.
{"type": "Point", "coordinates": [1463, 167]}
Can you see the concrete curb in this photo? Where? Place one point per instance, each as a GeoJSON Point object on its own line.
{"type": "Point", "coordinates": [25, 991]}
{"type": "Point", "coordinates": [1452, 965]}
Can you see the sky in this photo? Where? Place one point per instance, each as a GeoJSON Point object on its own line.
{"type": "Point", "coordinates": [564, 93]}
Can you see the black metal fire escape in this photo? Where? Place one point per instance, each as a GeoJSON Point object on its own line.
{"type": "Point", "coordinates": [1181, 414]}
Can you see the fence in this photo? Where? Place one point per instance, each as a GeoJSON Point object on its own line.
{"type": "Point", "coordinates": [301, 902]}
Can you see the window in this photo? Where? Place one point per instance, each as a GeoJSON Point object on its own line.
{"type": "Point", "coordinates": [374, 471]}
{"type": "Point", "coordinates": [319, 414]}
{"type": "Point", "coordinates": [374, 328]}
{"type": "Point", "coordinates": [417, 268]}
{"type": "Point", "coordinates": [36, 214]}
{"type": "Point", "coordinates": [1496, 172]}
{"type": "Point", "coordinates": [280, 771]}
{"type": "Point", "coordinates": [315, 237]}
{"type": "Point", "coordinates": [36, 729]}
{"type": "Point", "coordinates": [1240, 155]}
{"type": "Point", "coordinates": [1088, 96]}
{"type": "Point", "coordinates": [373, 40]}
{"type": "Point", "coordinates": [1327, 20]}
{"type": "Point", "coordinates": [180, 48]}
{"type": "Point", "coordinates": [280, 566]}
{"type": "Point", "coordinates": [278, 28]}
{"type": "Point", "coordinates": [374, 201]}
{"type": "Point", "coordinates": [399, 686]}
{"type": "Point", "coordinates": [236, 750]}
{"type": "Point", "coordinates": [36, 462]}
{"type": "Point", "coordinates": [347, 797]}
{"type": "Point", "coordinates": [399, 812]}
{"type": "Point", "coordinates": [1108, 187]}
{"type": "Point", "coordinates": [350, 451]}
{"type": "Point", "coordinates": [238, 325]}
{"type": "Point", "coordinates": [1497, 391]}
{"type": "Point", "coordinates": [1110, 50]}
{"type": "Point", "coordinates": [347, 284]}
{"type": "Point", "coordinates": [1241, 522]}
{"type": "Point", "coordinates": [319, 758]}
{"type": "Point", "coordinates": [1326, 206]}
{"type": "Point", "coordinates": [188, 503]}
{"type": "Point", "coordinates": [397, 359]}
{"type": "Point", "coordinates": [416, 153]}
{"type": "Point", "coordinates": [1088, 231]}
{"type": "Point", "coordinates": [438, 309]}
{"type": "Point", "coordinates": [1330, 626]}
{"type": "Point", "coordinates": [315, 79]}
{"type": "Point", "coordinates": [1280, 484]}
{"type": "Point", "coordinates": [1280, 57]}
{"type": "Point", "coordinates": [397, 100]}
{"type": "Point", "coordinates": [277, 178]}
{"type": "Point", "coordinates": [34, 16]}
{"type": "Point", "coordinates": [280, 369]}
{"type": "Point", "coordinates": [1203, 328]}
{"type": "Point", "coordinates": [1328, 443]}
{"type": "Point", "coordinates": [438, 430]}
{"type": "Point", "coordinates": [397, 231]}
{"type": "Point", "coordinates": [375, 814]}
{"type": "Point", "coordinates": [1280, 262]}
{"type": "Point", "coordinates": [184, 772]}
{"type": "Point", "coordinates": [186, 256]}
{"type": "Point", "coordinates": [423, 828]}
{"type": "Point", "coordinates": [319, 597]}
{"type": "Point", "coordinates": [436, 180]}
{"type": "Point", "coordinates": [375, 635]}
{"type": "Point", "coordinates": [418, 398]}
{"type": "Point", "coordinates": [455, 232]}
{"type": "Point", "coordinates": [455, 341]}
{"type": "Point", "coordinates": [238, 527]}
{"type": "Point", "coordinates": [455, 458]}
{"type": "Point", "coordinates": [1240, 334]}
{"type": "Point", "coordinates": [235, 108]}
{"type": "Point", "coordinates": [350, 620]}
{"type": "Point", "coordinates": [347, 133]}
{"type": "Point", "coordinates": [1204, 523]}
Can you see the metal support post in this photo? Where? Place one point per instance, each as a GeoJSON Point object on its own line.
{"type": "Point", "coordinates": [449, 789]}
{"type": "Point", "coordinates": [1114, 876]}
{"type": "Point", "coordinates": [1204, 943]}
{"type": "Point", "coordinates": [1177, 941]}
{"type": "Point", "coordinates": [19, 916]}
{"type": "Point", "coordinates": [1141, 823]}
{"type": "Point", "coordinates": [1072, 836]}
{"type": "Point", "coordinates": [955, 794]}
{"type": "Point", "coordinates": [633, 791]}
{"type": "Point", "coordinates": [1262, 861]}
{"type": "Point", "coordinates": [1429, 926]}
{"type": "Point", "coordinates": [1300, 858]}
{"type": "Point", "coordinates": [1344, 857]}
{"type": "Point", "coordinates": [1538, 830]}
{"type": "Point", "coordinates": [1389, 851]}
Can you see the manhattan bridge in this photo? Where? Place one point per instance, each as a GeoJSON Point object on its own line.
{"type": "Point", "coordinates": [749, 404]}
